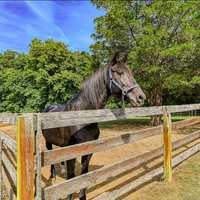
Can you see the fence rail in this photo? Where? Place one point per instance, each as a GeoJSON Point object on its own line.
{"type": "Point", "coordinates": [9, 118]}
{"type": "Point", "coordinates": [8, 164]}
{"type": "Point", "coordinates": [71, 118]}
{"type": "Point", "coordinates": [67, 153]}
{"type": "Point", "coordinates": [98, 176]}
{"type": "Point", "coordinates": [8, 141]}
{"type": "Point", "coordinates": [30, 159]}
{"type": "Point", "coordinates": [148, 176]}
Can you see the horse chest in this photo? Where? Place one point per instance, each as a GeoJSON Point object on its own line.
{"type": "Point", "coordinates": [59, 136]}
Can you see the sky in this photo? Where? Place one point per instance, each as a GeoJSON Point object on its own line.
{"type": "Point", "coordinates": [69, 21]}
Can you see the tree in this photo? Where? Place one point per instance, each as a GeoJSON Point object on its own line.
{"type": "Point", "coordinates": [161, 38]}
{"type": "Point", "coordinates": [48, 73]}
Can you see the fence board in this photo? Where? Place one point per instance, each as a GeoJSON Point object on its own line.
{"type": "Point", "coordinates": [6, 183]}
{"type": "Point", "coordinates": [10, 171]}
{"type": "Point", "coordinates": [148, 176]}
{"type": "Point", "coordinates": [10, 156]}
{"type": "Point", "coordinates": [38, 161]}
{"type": "Point", "coordinates": [100, 175]}
{"type": "Point", "coordinates": [8, 141]}
{"type": "Point", "coordinates": [66, 153]}
{"type": "Point", "coordinates": [9, 118]}
{"type": "Point", "coordinates": [71, 118]}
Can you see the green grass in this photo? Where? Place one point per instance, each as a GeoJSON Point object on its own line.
{"type": "Point", "coordinates": [131, 122]}
{"type": "Point", "coordinates": [178, 118]}
{"type": "Point", "coordinates": [136, 121]}
{"type": "Point", "coordinates": [185, 184]}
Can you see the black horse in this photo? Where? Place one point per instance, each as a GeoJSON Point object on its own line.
{"type": "Point", "coordinates": [114, 79]}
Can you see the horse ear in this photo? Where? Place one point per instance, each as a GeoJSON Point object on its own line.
{"type": "Point", "coordinates": [119, 58]}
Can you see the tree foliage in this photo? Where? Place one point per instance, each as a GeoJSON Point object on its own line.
{"type": "Point", "coordinates": [48, 73]}
{"type": "Point", "coordinates": [162, 38]}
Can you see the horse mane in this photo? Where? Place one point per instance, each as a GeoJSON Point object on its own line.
{"type": "Point", "coordinates": [95, 86]}
{"type": "Point", "coordinates": [92, 91]}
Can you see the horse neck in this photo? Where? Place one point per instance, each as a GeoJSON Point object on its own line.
{"type": "Point", "coordinates": [93, 94]}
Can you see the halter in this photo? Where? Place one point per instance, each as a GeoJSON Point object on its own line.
{"type": "Point", "coordinates": [124, 91]}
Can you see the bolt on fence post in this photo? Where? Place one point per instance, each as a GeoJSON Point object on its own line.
{"type": "Point", "coordinates": [167, 132]}
{"type": "Point", "coordinates": [25, 157]}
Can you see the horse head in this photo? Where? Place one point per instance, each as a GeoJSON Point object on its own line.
{"type": "Point", "coordinates": [122, 82]}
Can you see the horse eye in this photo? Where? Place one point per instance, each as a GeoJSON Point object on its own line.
{"type": "Point", "coordinates": [120, 73]}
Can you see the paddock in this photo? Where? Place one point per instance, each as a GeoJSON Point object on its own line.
{"type": "Point", "coordinates": [125, 148]}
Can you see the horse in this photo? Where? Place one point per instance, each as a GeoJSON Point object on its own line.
{"type": "Point", "coordinates": [114, 79]}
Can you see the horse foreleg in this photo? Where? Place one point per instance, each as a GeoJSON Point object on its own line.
{"type": "Point", "coordinates": [63, 169]}
{"type": "Point", "coordinates": [53, 169]}
{"type": "Point", "coordinates": [85, 167]}
{"type": "Point", "coordinates": [70, 173]}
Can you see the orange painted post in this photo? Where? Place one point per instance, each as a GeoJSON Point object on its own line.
{"type": "Point", "coordinates": [167, 132]}
{"type": "Point", "coordinates": [25, 157]}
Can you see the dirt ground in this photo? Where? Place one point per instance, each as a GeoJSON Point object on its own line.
{"type": "Point", "coordinates": [103, 158]}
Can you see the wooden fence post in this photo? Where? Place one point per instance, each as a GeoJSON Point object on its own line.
{"type": "Point", "coordinates": [25, 157]}
{"type": "Point", "coordinates": [167, 131]}
{"type": "Point", "coordinates": [38, 160]}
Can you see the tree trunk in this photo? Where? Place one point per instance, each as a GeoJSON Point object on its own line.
{"type": "Point", "coordinates": [156, 100]}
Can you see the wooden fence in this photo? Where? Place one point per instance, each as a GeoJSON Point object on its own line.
{"type": "Point", "coordinates": [7, 166]}
{"type": "Point", "coordinates": [30, 158]}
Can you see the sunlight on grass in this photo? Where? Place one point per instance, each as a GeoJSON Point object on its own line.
{"type": "Point", "coordinates": [185, 184]}
{"type": "Point", "coordinates": [137, 121]}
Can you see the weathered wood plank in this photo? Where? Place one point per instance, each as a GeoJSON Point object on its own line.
{"type": "Point", "coordinates": [38, 162]}
{"type": "Point", "coordinates": [10, 156]}
{"type": "Point", "coordinates": [71, 118]}
{"type": "Point", "coordinates": [100, 175]}
{"type": "Point", "coordinates": [6, 183]}
{"type": "Point", "coordinates": [10, 171]}
{"type": "Point", "coordinates": [25, 157]}
{"type": "Point", "coordinates": [11, 195]}
{"type": "Point", "coordinates": [8, 141]}
{"type": "Point", "coordinates": [167, 141]}
{"type": "Point", "coordinates": [186, 122]}
{"type": "Point", "coordinates": [9, 118]}
{"type": "Point", "coordinates": [148, 176]}
{"type": "Point", "coordinates": [66, 153]}
{"type": "Point", "coordinates": [7, 169]}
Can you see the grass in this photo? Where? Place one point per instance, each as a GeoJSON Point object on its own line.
{"type": "Point", "coordinates": [131, 122]}
{"type": "Point", "coordinates": [137, 121]}
{"type": "Point", "coordinates": [185, 184]}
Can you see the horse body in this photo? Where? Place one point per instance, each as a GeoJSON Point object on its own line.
{"type": "Point", "coordinates": [83, 100]}
{"type": "Point", "coordinates": [93, 95]}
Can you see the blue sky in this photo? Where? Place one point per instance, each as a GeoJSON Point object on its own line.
{"type": "Point", "coordinates": [70, 21]}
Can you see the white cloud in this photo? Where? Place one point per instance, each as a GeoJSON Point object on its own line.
{"type": "Point", "coordinates": [46, 13]}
